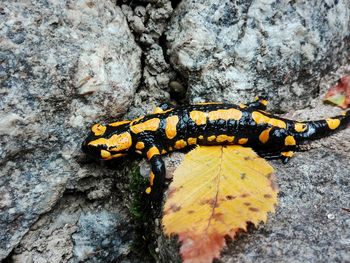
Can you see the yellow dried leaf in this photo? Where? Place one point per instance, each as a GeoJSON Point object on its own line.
{"type": "Point", "coordinates": [215, 192]}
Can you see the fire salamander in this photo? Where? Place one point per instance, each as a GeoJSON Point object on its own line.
{"type": "Point", "coordinates": [170, 129]}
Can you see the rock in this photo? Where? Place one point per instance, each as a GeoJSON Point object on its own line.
{"type": "Point", "coordinates": [77, 231]}
{"type": "Point", "coordinates": [229, 51]}
{"type": "Point", "coordinates": [149, 24]}
{"type": "Point", "coordinates": [63, 66]}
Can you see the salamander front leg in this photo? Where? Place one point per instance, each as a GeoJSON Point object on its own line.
{"type": "Point", "coordinates": [156, 177]}
{"type": "Point", "coordinates": [259, 103]}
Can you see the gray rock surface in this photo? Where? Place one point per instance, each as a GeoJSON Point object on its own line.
{"type": "Point", "coordinates": [63, 66]}
{"type": "Point", "coordinates": [229, 51]}
{"type": "Point", "coordinates": [78, 231]}
{"type": "Point", "coordinates": [149, 24]}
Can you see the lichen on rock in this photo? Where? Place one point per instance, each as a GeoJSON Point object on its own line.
{"type": "Point", "coordinates": [229, 51]}
{"type": "Point", "coordinates": [63, 66]}
{"type": "Point", "coordinates": [67, 64]}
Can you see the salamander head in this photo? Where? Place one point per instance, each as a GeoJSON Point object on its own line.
{"type": "Point", "coordinates": [108, 141]}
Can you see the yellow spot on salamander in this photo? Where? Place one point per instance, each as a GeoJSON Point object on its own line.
{"type": "Point", "coordinates": [105, 154]}
{"type": "Point", "coordinates": [200, 137]}
{"type": "Point", "coordinates": [170, 148]}
{"type": "Point", "coordinates": [98, 129]}
{"type": "Point", "coordinates": [164, 151]}
{"type": "Point", "coordinates": [278, 123]}
{"type": "Point", "coordinates": [260, 118]}
{"type": "Point", "coordinates": [136, 120]}
{"type": "Point", "coordinates": [300, 127]}
{"type": "Point", "coordinates": [289, 140]}
{"type": "Point", "coordinates": [150, 125]}
{"type": "Point", "coordinates": [139, 145]}
{"type": "Point", "coordinates": [191, 141]}
{"type": "Point", "coordinates": [180, 144]}
{"type": "Point", "coordinates": [265, 135]}
{"type": "Point", "coordinates": [242, 106]}
{"type": "Point", "coordinates": [170, 126]}
{"type": "Point", "coordinates": [264, 102]}
{"type": "Point", "coordinates": [198, 117]}
{"type": "Point", "coordinates": [243, 141]}
{"type": "Point", "coordinates": [117, 142]}
{"type": "Point", "coordinates": [118, 123]}
{"type": "Point", "coordinates": [152, 151]}
{"type": "Point", "coordinates": [333, 123]}
{"type": "Point", "coordinates": [225, 138]}
{"type": "Point", "coordinates": [228, 114]}
{"type": "Point", "coordinates": [287, 154]}
{"type": "Point", "coordinates": [148, 190]}
{"type": "Point", "coordinates": [117, 155]}
{"type": "Point", "coordinates": [211, 138]}
{"type": "Point", "coordinates": [159, 110]}
{"type": "Point", "coordinates": [151, 178]}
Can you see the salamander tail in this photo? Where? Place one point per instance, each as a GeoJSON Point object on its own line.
{"type": "Point", "coordinates": [312, 130]}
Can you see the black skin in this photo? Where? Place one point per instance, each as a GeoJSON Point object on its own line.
{"type": "Point", "coordinates": [245, 127]}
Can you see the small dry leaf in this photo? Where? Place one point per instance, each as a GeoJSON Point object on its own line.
{"type": "Point", "coordinates": [339, 94]}
{"type": "Point", "coordinates": [215, 192]}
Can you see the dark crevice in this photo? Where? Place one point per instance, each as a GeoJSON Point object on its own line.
{"type": "Point", "coordinates": [8, 259]}
{"type": "Point", "coordinates": [175, 3]}
{"type": "Point", "coordinates": [143, 64]}
{"type": "Point", "coordinates": [163, 45]}
{"type": "Point", "coordinates": [175, 95]}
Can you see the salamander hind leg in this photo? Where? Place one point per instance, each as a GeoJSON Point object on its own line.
{"type": "Point", "coordinates": [277, 143]}
{"type": "Point", "coordinates": [284, 156]}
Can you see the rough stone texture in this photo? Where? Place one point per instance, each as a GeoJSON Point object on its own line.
{"type": "Point", "coordinates": [148, 23]}
{"type": "Point", "coordinates": [63, 66]}
{"type": "Point", "coordinates": [229, 51]}
{"type": "Point", "coordinates": [67, 64]}
{"type": "Point", "coordinates": [78, 231]}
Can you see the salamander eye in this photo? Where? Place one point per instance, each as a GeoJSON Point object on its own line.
{"type": "Point", "coordinates": [98, 129]}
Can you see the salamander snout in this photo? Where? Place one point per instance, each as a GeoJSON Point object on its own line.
{"type": "Point", "coordinates": [107, 142]}
{"type": "Point", "coordinates": [91, 150]}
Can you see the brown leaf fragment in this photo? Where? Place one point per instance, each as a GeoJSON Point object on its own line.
{"type": "Point", "coordinates": [201, 249]}
{"type": "Point", "coordinates": [339, 94]}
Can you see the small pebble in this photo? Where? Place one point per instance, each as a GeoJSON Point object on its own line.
{"type": "Point", "coordinates": [331, 216]}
